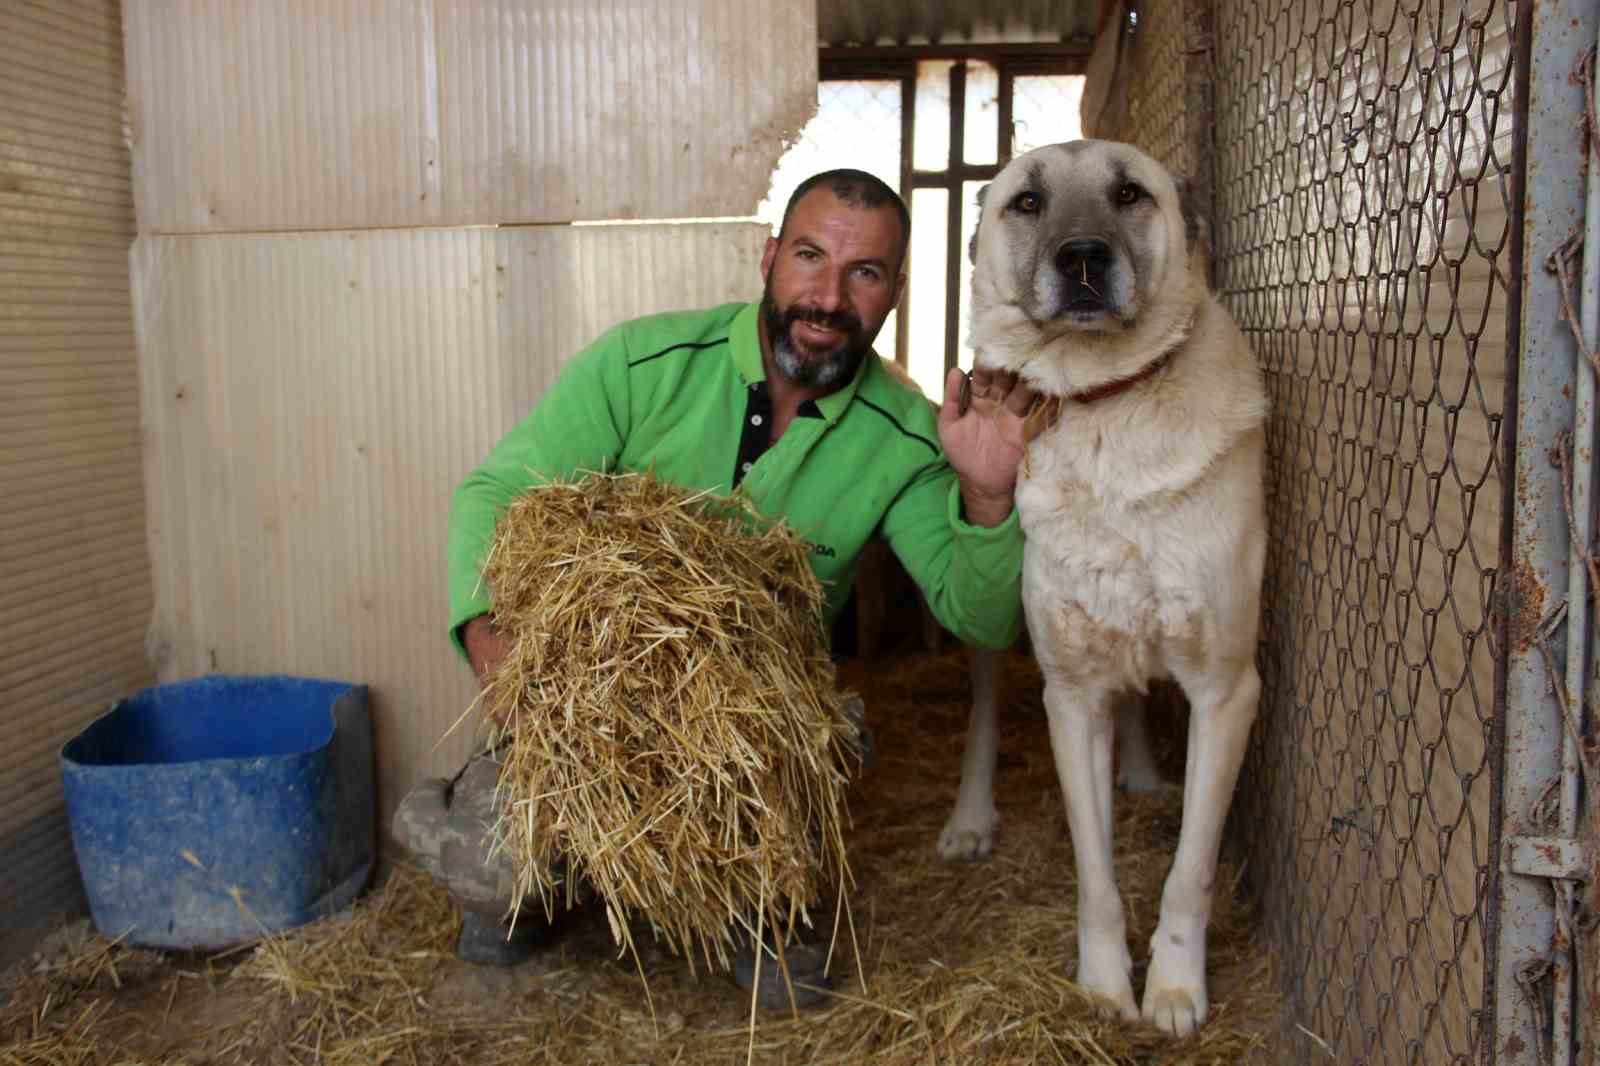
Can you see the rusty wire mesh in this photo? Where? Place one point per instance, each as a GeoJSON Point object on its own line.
{"type": "Point", "coordinates": [1155, 117]}
{"type": "Point", "coordinates": [1363, 180]}
{"type": "Point", "coordinates": [1168, 108]}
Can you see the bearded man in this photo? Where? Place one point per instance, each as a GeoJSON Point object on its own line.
{"type": "Point", "coordinates": [785, 401]}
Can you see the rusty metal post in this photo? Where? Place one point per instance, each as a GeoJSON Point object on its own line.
{"type": "Point", "coordinates": [1586, 1027]}
{"type": "Point", "coordinates": [1533, 994]}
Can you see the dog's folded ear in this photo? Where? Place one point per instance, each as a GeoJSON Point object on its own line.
{"type": "Point", "coordinates": [972, 245]}
{"type": "Point", "coordinates": [1196, 229]}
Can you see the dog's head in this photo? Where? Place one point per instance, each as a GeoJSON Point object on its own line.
{"type": "Point", "coordinates": [1087, 247]}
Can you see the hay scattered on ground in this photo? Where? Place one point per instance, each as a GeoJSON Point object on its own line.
{"type": "Point", "coordinates": [961, 963]}
{"type": "Point", "coordinates": [676, 735]}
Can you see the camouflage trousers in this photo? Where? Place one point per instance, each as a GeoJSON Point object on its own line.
{"type": "Point", "coordinates": [447, 826]}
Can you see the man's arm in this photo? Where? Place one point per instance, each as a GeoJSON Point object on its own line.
{"type": "Point", "coordinates": [971, 575]}
{"type": "Point", "coordinates": [955, 529]}
{"type": "Point", "coordinates": [484, 647]}
{"type": "Point", "coordinates": [579, 425]}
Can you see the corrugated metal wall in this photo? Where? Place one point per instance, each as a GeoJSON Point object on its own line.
{"type": "Point", "coordinates": [312, 114]}
{"type": "Point", "coordinates": [314, 393]}
{"type": "Point", "coordinates": [75, 588]}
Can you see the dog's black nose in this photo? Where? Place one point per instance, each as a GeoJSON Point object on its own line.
{"type": "Point", "coordinates": [1084, 259]}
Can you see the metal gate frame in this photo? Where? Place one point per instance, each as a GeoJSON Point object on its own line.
{"type": "Point", "coordinates": [1539, 1011]}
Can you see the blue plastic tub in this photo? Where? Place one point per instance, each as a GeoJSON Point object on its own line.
{"type": "Point", "coordinates": [206, 813]}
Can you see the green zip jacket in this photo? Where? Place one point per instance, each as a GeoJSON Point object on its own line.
{"type": "Point", "coordinates": [684, 394]}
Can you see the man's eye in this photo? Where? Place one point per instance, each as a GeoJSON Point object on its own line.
{"type": "Point", "coordinates": [1025, 203]}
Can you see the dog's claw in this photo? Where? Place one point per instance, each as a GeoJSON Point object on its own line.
{"type": "Point", "coordinates": [966, 838]}
{"type": "Point", "coordinates": [967, 847]}
{"type": "Point", "coordinates": [1120, 1006]}
{"type": "Point", "coordinates": [1104, 972]}
{"type": "Point", "coordinates": [1175, 985]}
{"type": "Point", "coordinates": [1174, 1010]}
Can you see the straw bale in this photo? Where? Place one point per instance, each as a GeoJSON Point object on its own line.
{"type": "Point", "coordinates": [675, 740]}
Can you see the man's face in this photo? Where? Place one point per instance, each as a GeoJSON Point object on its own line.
{"type": "Point", "coordinates": [832, 277]}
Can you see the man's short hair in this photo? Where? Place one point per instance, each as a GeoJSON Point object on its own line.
{"type": "Point", "coordinates": [854, 188]}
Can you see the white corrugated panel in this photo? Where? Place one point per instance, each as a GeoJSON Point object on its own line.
{"type": "Point", "coordinates": [75, 591]}
{"type": "Point", "coordinates": [312, 400]}
{"type": "Point", "coordinates": [360, 113]}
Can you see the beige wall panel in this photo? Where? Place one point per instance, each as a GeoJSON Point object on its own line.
{"type": "Point", "coordinates": [311, 402]}
{"type": "Point", "coordinates": [618, 108]}
{"type": "Point", "coordinates": [75, 588]}
{"type": "Point", "coordinates": [357, 113]}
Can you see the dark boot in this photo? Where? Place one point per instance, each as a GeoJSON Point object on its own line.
{"type": "Point", "coordinates": [487, 942]}
{"type": "Point", "coordinates": [808, 977]}
{"type": "Point", "coordinates": [447, 825]}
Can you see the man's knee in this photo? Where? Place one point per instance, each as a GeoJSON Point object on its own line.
{"type": "Point", "coordinates": [420, 822]}
{"type": "Point", "coordinates": [448, 827]}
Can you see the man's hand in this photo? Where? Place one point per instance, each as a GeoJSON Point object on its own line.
{"type": "Point", "coordinates": [485, 649]}
{"type": "Point", "coordinates": [985, 444]}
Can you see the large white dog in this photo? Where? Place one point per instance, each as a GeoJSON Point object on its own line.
{"type": "Point", "coordinates": [1142, 501]}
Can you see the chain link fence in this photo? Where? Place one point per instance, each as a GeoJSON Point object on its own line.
{"type": "Point", "coordinates": [1363, 194]}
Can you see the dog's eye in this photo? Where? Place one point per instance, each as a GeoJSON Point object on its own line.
{"type": "Point", "coordinates": [1130, 194]}
{"type": "Point", "coordinates": [1025, 203]}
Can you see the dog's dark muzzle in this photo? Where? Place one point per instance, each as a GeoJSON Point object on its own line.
{"type": "Point", "coordinates": [1085, 266]}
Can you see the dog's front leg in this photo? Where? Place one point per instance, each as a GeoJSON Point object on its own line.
{"type": "Point", "coordinates": [1222, 709]}
{"type": "Point", "coordinates": [970, 832]}
{"type": "Point", "coordinates": [1081, 733]}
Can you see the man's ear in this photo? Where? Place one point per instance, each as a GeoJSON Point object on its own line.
{"type": "Point", "coordinates": [768, 254]}
{"type": "Point", "coordinates": [972, 245]}
{"type": "Point", "coordinates": [1195, 230]}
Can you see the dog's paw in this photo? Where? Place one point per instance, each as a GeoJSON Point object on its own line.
{"type": "Point", "coordinates": [1175, 1011]}
{"type": "Point", "coordinates": [969, 835]}
{"type": "Point", "coordinates": [1175, 988]}
{"type": "Point", "coordinates": [1105, 973]}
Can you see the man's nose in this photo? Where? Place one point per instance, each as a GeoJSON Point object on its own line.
{"type": "Point", "coordinates": [832, 292]}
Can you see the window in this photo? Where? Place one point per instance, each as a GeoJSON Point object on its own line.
{"type": "Point", "coordinates": [931, 125]}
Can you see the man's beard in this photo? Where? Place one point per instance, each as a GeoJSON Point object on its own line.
{"type": "Point", "coordinates": [808, 367]}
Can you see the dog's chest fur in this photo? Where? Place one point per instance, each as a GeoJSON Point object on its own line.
{"type": "Point", "coordinates": [1104, 576]}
